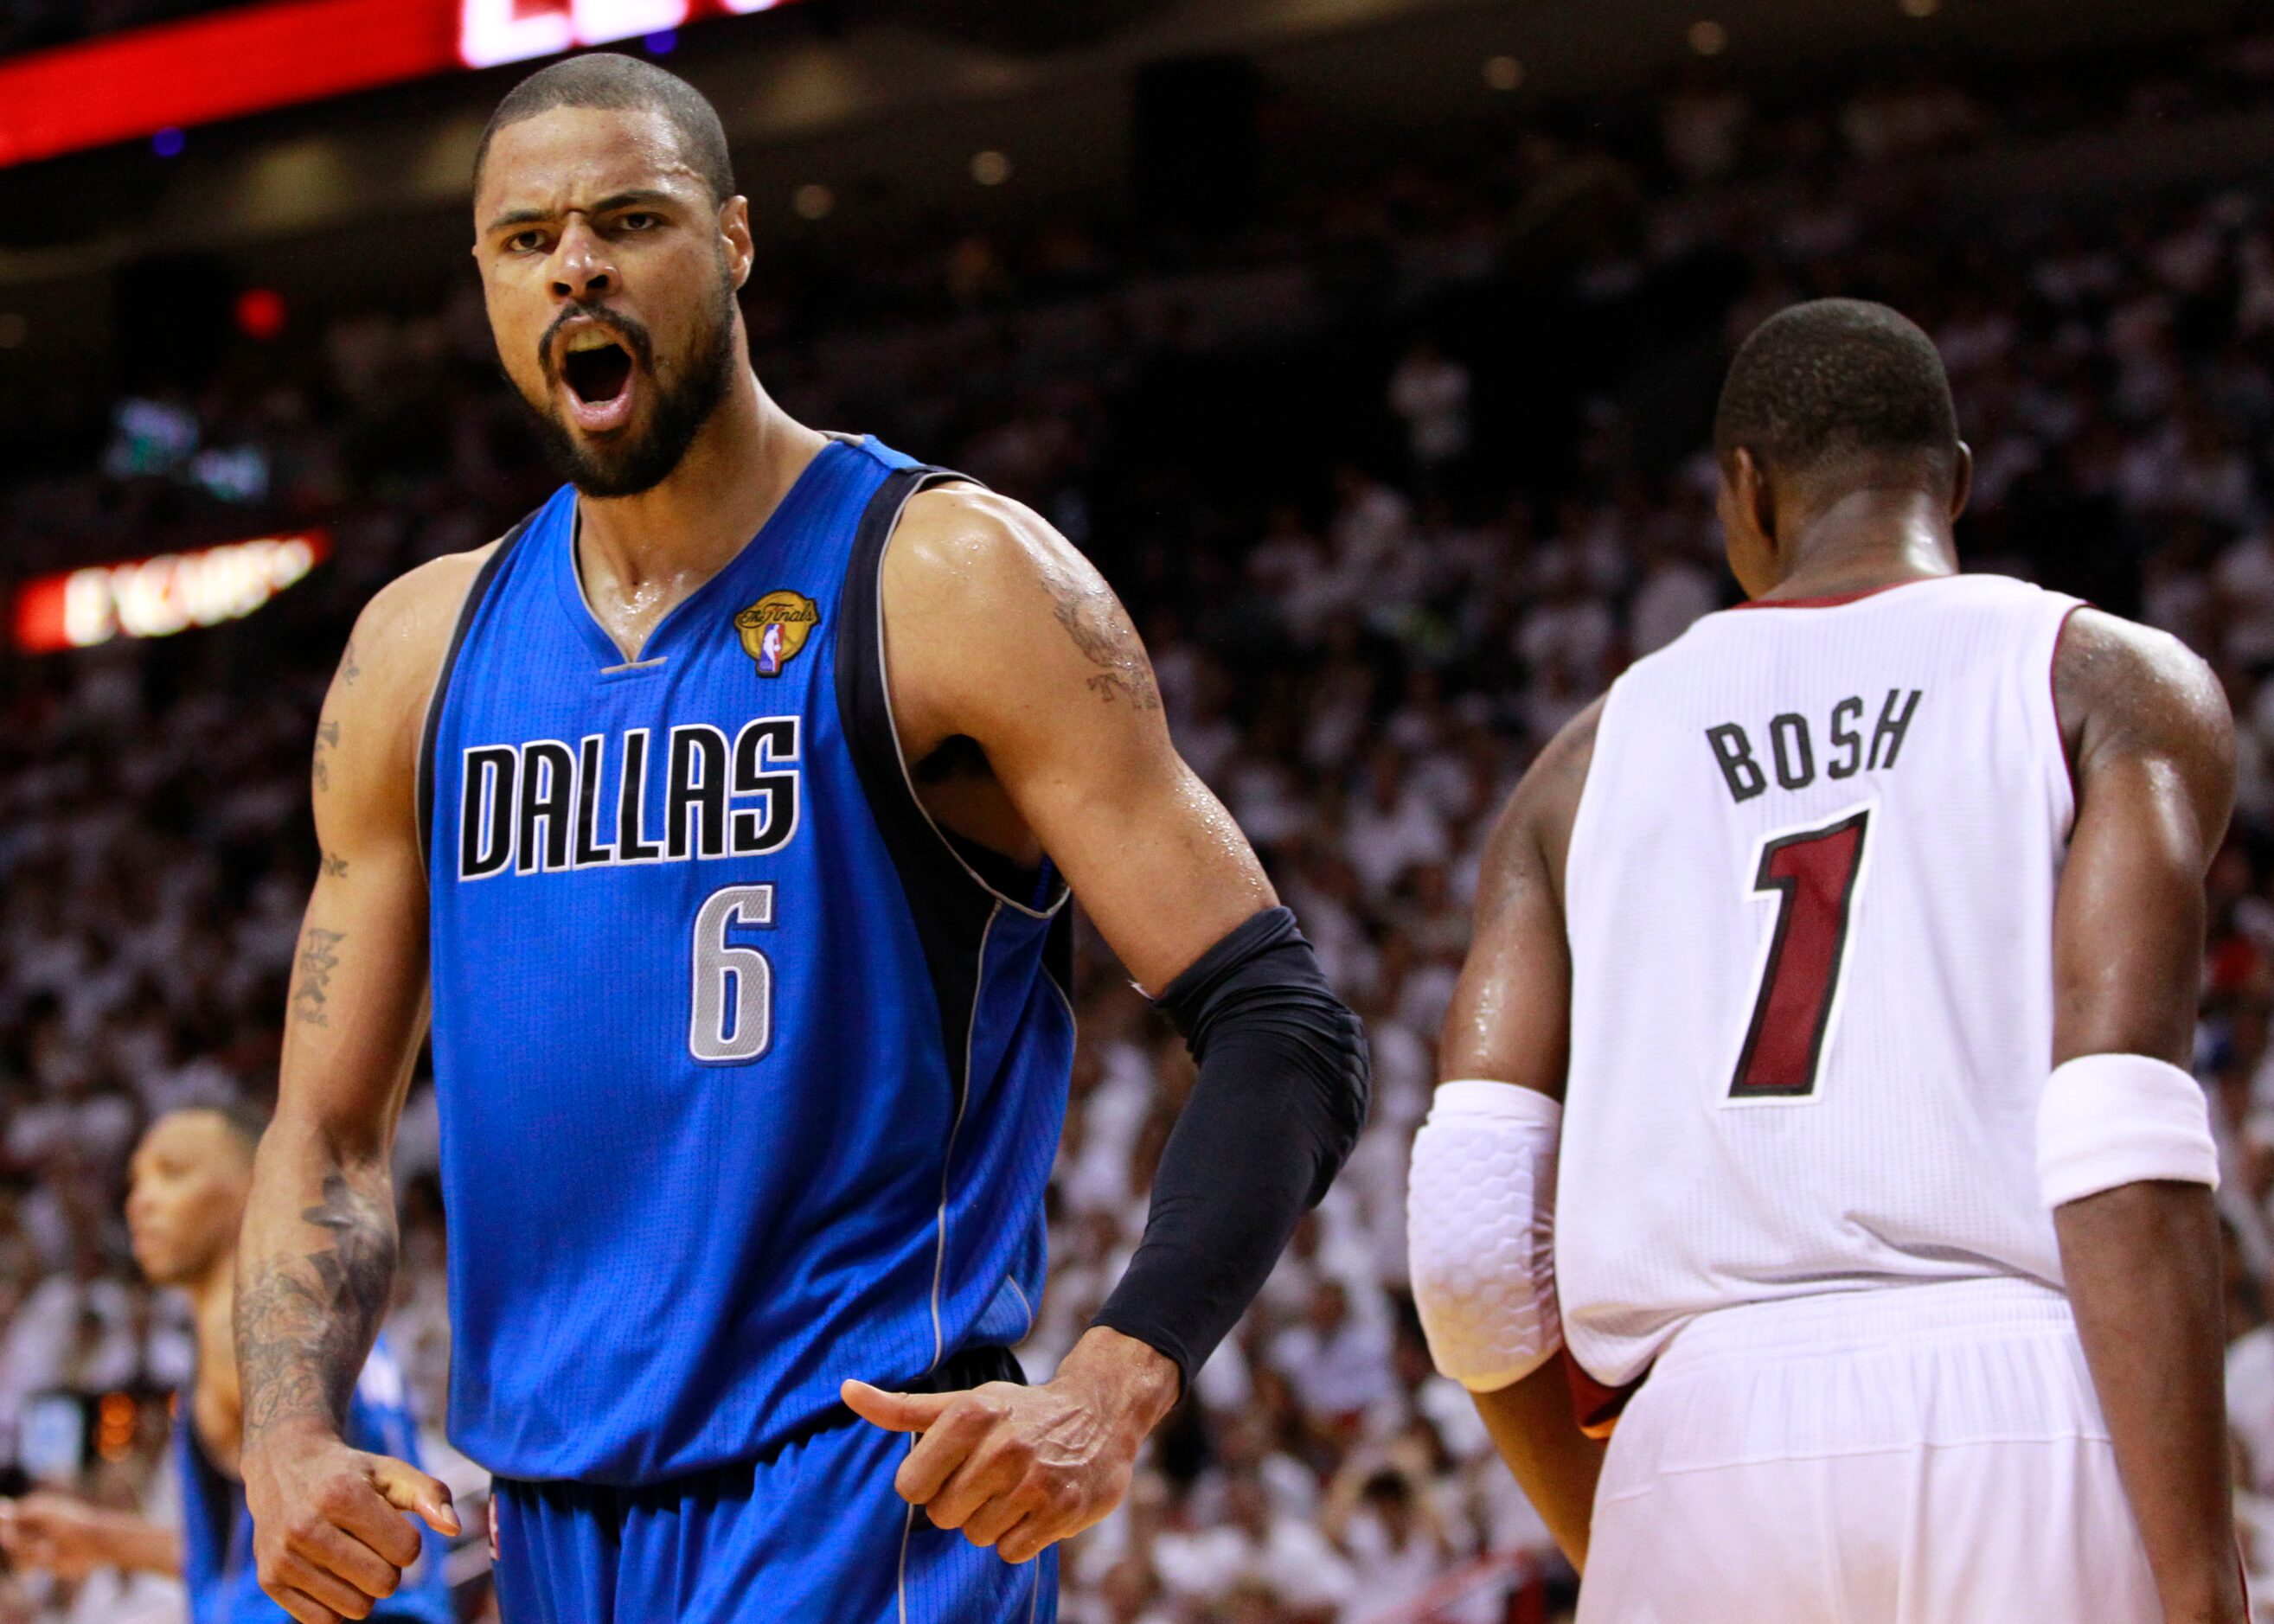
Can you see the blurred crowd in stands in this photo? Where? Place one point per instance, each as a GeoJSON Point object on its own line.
{"type": "Point", "coordinates": [1395, 480]}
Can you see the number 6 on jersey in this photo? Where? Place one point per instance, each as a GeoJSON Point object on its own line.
{"type": "Point", "coordinates": [1813, 875]}
{"type": "Point", "coordinates": [733, 1017]}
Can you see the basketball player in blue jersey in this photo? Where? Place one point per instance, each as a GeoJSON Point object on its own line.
{"type": "Point", "coordinates": [727, 810]}
{"type": "Point", "coordinates": [187, 1185]}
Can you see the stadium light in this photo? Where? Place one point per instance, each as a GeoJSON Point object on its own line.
{"type": "Point", "coordinates": [261, 312]}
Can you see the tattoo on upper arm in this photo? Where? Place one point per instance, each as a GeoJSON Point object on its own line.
{"type": "Point", "coordinates": [328, 738]}
{"type": "Point", "coordinates": [349, 670]}
{"type": "Point", "coordinates": [302, 1333]}
{"type": "Point", "coordinates": [335, 866]}
{"type": "Point", "coordinates": [1094, 619]}
{"type": "Point", "coordinates": [318, 957]}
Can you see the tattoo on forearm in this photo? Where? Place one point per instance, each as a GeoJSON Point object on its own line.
{"type": "Point", "coordinates": [334, 866]}
{"type": "Point", "coordinates": [302, 1329]}
{"type": "Point", "coordinates": [327, 738]}
{"type": "Point", "coordinates": [1093, 620]}
{"type": "Point", "coordinates": [318, 957]}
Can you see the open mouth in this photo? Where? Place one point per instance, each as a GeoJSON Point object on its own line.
{"type": "Point", "coordinates": [597, 368]}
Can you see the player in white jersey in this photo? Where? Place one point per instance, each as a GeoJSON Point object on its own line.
{"type": "Point", "coordinates": [1847, 952]}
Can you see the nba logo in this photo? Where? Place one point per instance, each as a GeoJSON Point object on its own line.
{"type": "Point", "coordinates": [775, 627]}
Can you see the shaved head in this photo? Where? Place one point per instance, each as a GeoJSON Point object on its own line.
{"type": "Point", "coordinates": [617, 83]}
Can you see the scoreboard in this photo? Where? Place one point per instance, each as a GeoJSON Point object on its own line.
{"type": "Point", "coordinates": [159, 597]}
{"type": "Point", "coordinates": [130, 86]}
{"type": "Point", "coordinates": [495, 31]}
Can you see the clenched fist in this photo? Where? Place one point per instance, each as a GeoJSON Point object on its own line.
{"type": "Point", "coordinates": [329, 1536]}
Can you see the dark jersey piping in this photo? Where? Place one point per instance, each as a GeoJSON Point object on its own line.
{"type": "Point", "coordinates": [952, 901]}
{"type": "Point", "coordinates": [866, 567]}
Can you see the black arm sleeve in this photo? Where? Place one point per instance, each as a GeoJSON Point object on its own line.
{"type": "Point", "coordinates": [1278, 1104]}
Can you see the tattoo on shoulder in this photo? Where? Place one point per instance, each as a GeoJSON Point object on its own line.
{"type": "Point", "coordinates": [335, 866]}
{"type": "Point", "coordinates": [328, 738]}
{"type": "Point", "coordinates": [302, 1331]}
{"type": "Point", "coordinates": [318, 957]}
{"type": "Point", "coordinates": [348, 669]}
{"type": "Point", "coordinates": [1093, 620]}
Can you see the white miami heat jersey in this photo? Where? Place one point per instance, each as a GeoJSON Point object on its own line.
{"type": "Point", "coordinates": [1810, 898]}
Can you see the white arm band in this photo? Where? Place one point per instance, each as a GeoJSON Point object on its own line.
{"type": "Point", "coordinates": [2121, 1119]}
{"type": "Point", "coordinates": [1480, 1232]}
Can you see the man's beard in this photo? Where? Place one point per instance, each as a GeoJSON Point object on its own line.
{"type": "Point", "coordinates": [644, 456]}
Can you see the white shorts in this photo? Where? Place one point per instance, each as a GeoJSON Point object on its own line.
{"type": "Point", "coordinates": [1916, 1455]}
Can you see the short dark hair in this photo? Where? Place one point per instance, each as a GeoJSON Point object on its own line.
{"type": "Point", "coordinates": [242, 1120]}
{"type": "Point", "coordinates": [1833, 379]}
{"type": "Point", "coordinates": [611, 79]}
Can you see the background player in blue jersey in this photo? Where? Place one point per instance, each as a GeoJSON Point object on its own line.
{"type": "Point", "coordinates": [728, 808]}
{"type": "Point", "coordinates": [187, 1187]}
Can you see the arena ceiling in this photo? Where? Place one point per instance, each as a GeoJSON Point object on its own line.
{"type": "Point", "coordinates": [885, 102]}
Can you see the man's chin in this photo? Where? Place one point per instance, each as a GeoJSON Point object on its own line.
{"type": "Point", "coordinates": [619, 470]}
{"type": "Point", "coordinates": [615, 476]}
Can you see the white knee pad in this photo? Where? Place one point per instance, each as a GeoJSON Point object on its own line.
{"type": "Point", "coordinates": [1480, 1232]}
{"type": "Point", "coordinates": [2107, 1120]}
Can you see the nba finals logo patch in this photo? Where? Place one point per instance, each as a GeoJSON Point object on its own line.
{"type": "Point", "coordinates": [775, 627]}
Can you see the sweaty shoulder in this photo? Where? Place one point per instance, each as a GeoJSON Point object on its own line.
{"type": "Point", "coordinates": [988, 607]}
{"type": "Point", "coordinates": [2118, 685]}
{"type": "Point", "coordinates": [2126, 692]}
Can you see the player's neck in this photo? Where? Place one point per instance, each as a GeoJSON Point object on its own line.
{"type": "Point", "coordinates": [733, 476]}
{"type": "Point", "coordinates": [1869, 539]}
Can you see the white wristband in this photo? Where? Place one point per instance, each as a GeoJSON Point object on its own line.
{"type": "Point", "coordinates": [2107, 1120]}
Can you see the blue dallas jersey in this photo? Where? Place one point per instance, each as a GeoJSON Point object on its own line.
{"type": "Point", "coordinates": [217, 1565]}
{"type": "Point", "coordinates": [751, 1078]}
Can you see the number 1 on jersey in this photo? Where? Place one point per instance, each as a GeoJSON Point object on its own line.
{"type": "Point", "coordinates": [1813, 874]}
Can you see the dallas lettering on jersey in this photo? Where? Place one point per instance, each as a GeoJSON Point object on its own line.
{"type": "Point", "coordinates": [535, 808]}
{"type": "Point", "coordinates": [1792, 747]}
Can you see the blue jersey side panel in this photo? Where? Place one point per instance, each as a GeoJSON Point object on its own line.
{"type": "Point", "coordinates": [729, 1113]}
{"type": "Point", "coordinates": [217, 1565]}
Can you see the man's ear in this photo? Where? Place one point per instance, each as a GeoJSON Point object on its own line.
{"type": "Point", "coordinates": [1755, 496]}
{"type": "Point", "coordinates": [735, 226]}
{"type": "Point", "coordinates": [1961, 484]}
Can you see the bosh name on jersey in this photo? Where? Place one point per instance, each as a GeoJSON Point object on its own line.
{"type": "Point", "coordinates": [1792, 750]}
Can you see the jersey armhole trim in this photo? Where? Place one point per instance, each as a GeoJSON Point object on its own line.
{"type": "Point", "coordinates": [2053, 709]}
{"type": "Point", "coordinates": [484, 579]}
{"type": "Point", "coordinates": [879, 525]}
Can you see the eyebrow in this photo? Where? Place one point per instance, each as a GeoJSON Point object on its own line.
{"type": "Point", "coordinates": [614, 200]}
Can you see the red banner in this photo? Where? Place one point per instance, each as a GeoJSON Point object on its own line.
{"type": "Point", "coordinates": [158, 596]}
{"type": "Point", "coordinates": [127, 86]}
